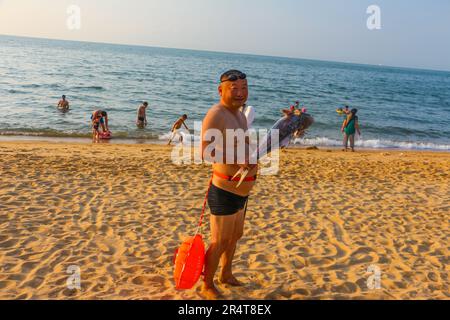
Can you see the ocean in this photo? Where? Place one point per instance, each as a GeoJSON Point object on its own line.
{"type": "Point", "coordinates": [398, 108]}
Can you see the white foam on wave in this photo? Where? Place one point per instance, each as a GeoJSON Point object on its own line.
{"type": "Point", "coordinates": [374, 144]}
{"type": "Point", "coordinates": [328, 142]}
{"type": "Point", "coordinates": [187, 137]}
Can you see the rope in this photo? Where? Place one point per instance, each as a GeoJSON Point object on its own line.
{"type": "Point", "coordinates": [204, 206]}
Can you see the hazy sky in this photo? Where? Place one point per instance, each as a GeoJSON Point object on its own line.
{"type": "Point", "coordinates": [415, 33]}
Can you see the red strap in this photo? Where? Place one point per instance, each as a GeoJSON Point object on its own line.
{"type": "Point", "coordinates": [204, 205]}
{"type": "Point", "coordinates": [225, 177]}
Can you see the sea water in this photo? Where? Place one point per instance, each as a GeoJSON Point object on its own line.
{"type": "Point", "coordinates": [398, 107]}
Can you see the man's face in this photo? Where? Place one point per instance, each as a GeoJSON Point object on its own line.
{"type": "Point", "coordinates": [234, 94]}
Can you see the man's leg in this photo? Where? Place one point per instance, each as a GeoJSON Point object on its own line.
{"type": "Point", "coordinates": [226, 275]}
{"type": "Point", "coordinates": [94, 134]}
{"type": "Point", "coordinates": [345, 142]}
{"type": "Point", "coordinates": [222, 228]}
{"type": "Point", "coordinates": [171, 137]}
{"type": "Point", "coordinates": [352, 142]}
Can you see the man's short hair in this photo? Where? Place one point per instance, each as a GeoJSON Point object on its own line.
{"type": "Point", "coordinates": [185, 116]}
{"type": "Point", "coordinates": [104, 113]}
{"type": "Point", "coordinates": [230, 73]}
{"type": "Point", "coordinates": [63, 96]}
{"type": "Point", "coordinates": [145, 103]}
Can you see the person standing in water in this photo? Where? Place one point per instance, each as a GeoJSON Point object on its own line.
{"type": "Point", "coordinates": [349, 129]}
{"type": "Point", "coordinates": [226, 201]}
{"type": "Point", "coordinates": [141, 120]}
{"type": "Point", "coordinates": [63, 104]}
{"type": "Point", "coordinates": [99, 118]}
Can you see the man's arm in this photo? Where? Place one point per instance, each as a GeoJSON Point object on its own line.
{"type": "Point", "coordinates": [344, 125]}
{"type": "Point", "coordinates": [212, 121]}
{"type": "Point", "coordinates": [357, 127]}
{"type": "Point", "coordinates": [185, 125]}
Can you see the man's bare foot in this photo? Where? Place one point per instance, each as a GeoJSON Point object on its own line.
{"type": "Point", "coordinates": [230, 280]}
{"type": "Point", "coordinates": [210, 293]}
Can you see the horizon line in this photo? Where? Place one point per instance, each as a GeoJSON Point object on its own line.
{"type": "Point", "coordinates": [234, 53]}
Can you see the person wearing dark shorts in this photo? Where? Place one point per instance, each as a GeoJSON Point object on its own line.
{"type": "Point", "coordinates": [228, 196]}
{"type": "Point", "coordinates": [141, 120]}
{"type": "Point", "coordinates": [224, 203]}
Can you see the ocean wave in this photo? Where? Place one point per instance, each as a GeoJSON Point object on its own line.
{"type": "Point", "coordinates": [189, 138]}
{"type": "Point", "coordinates": [43, 133]}
{"type": "Point", "coordinates": [50, 133]}
{"type": "Point", "coordinates": [17, 91]}
{"type": "Point", "coordinates": [31, 86]}
{"type": "Point", "coordinates": [94, 88]}
{"type": "Point", "coordinates": [328, 142]}
{"type": "Point", "coordinates": [374, 144]}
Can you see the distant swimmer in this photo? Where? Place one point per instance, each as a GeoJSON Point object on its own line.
{"type": "Point", "coordinates": [347, 110]}
{"type": "Point", "coordinates": [300, 132]}
{"type": "Point", "coordinates": [63, 104]}
{"type": "Point", "coordinates": [288, 112]}
{"type": "Point", "coordinates": [343, 112]}
{"type": "Point", "coordinates": [176, 126]}
{"type": "Point", "coordinates": [99, 118]}
{"type": "Point", "coordinates": [294, 109]}
{"type": "Point", "coordinates": [141, 120]}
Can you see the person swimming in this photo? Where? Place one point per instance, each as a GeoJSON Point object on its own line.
{"type": "Point", "coordinates": [288, 112]}
{"type": "Point", "coordinates": [63, 104]}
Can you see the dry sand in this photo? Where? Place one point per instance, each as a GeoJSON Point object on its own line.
{"type": "Point", "coordinates": [312, 232]}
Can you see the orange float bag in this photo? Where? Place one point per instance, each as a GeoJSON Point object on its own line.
{"type": "Point", "coordinates": [190, 257]}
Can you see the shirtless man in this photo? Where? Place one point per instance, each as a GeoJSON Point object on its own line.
{"type": "Point", "coordinates": [176, 126]}
{"type": "Point", "coordinates": [141, 120]}
{"type": "Point", "coordinates": [227, 202]}
{"type": "Point", "coordinates": [63, 104]}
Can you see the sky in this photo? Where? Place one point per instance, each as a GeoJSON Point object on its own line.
{"type": "Point", "coordinates": [414, 33]}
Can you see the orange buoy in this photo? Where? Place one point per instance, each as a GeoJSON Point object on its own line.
{"type": "Point", "coordinates": [190, 257]}
{"type": "Point", "coordinates": [189, 262]}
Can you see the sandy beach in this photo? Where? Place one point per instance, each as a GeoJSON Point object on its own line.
{"type": "Point", "coordinates": [314, 231]}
